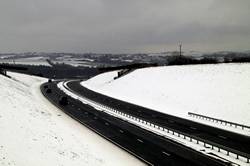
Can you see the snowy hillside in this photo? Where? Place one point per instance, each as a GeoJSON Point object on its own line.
{"type": "Point", "coordinates": [220, 91]}
{"type": "Point", "coordinates": [34, 132]}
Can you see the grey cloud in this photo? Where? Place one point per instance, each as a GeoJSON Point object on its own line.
{"type": "Point", "coordinates": [123, 26]}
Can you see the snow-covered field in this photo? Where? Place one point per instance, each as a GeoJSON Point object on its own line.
{"type": "Point", "coordinates": [221, 91]}
{"type": "Point", "coordinates": [34, 132]}
{"type": "Point", "coordinates": [27, 61]}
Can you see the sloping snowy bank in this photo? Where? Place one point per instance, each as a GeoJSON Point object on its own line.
{"type": "Point", "coordinates": [221, 91]}
{"type": "Point", "coordinates": [34, 132]}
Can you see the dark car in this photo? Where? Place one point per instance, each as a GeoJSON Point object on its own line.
{"type": "Point", "coordinates": [63, 100]}
{"type": "Point", "coordinates": [48, 90]}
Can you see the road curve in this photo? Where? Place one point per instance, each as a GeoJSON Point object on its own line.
{"type": "Point", "coordinates": [226, 139]}
{"type": "Point", "coordinates": [146, 146]}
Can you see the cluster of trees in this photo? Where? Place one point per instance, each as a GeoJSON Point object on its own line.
{"type": "Point", "coordinates": [207, 59]}
{"type": "Point", "coordinates": [60, 71]}
{"type": "Point", "coordinates": [236, 59]}
{"type": "Point", "coordinates": [184, 60]}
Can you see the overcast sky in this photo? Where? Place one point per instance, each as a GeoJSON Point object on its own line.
{"type": "Point", "coordinates": [123, 26]}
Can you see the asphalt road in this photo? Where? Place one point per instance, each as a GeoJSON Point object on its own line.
{"type": "Point", "coordinates": [147, 146]}
{"type": "Point", "coordinates": [218, 136]}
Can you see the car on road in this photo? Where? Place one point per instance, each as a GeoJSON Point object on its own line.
{"type": "Point", "coordinates": [63, 100]}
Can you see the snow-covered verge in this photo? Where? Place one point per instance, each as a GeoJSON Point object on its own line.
{"type": "Point", "coordinates": [34, 132]}
{"type": "Point", "coordinates": [221, 91]}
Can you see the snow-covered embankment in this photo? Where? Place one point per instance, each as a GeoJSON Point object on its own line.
{"type": "Point", "coordinates": [34, 132]}
{"type": "Point", "coordinates": [221, 91]}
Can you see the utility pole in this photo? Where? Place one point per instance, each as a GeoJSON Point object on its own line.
{"type": "Point", "coordinates": [180, 45]}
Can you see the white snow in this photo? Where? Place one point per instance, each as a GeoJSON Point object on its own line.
{"type": "Point", "coordinates": [34, 132]}
{"type": "Point", "coordinates": [221, 91]}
